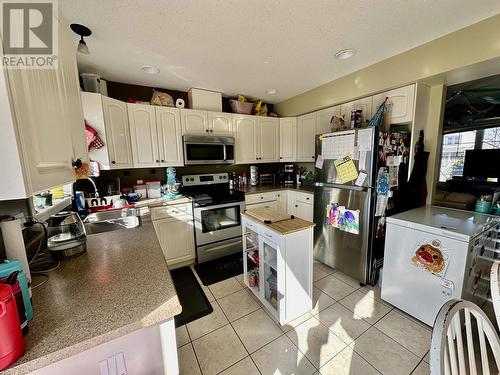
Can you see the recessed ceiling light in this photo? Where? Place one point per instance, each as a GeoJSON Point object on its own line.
{"type": "Point", "coordinates": [345, 53]}
{"type": "Point", "coordinates": [266, 62]}
{"type": "Point", "coordinates": [150, 69]}
{"type": "Point", "coordinates": [271, 91]}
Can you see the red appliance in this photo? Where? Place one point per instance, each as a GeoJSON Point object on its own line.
{"type": "Point", "coordinates": [11, 338]}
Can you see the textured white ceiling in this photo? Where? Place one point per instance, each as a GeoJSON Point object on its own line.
{"type": "Point", "coordinates": [222, 45]}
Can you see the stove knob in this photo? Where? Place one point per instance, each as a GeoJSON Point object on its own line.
{"type": "Point", "coordinates": [220, 177]}
{"type": "Point", "coordinates": [225, 177]}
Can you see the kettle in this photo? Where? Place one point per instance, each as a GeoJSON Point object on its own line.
{"type": "Point", "coordinates": [11, 339]}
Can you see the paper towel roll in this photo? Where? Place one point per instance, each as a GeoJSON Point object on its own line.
{"type": "Point", "coordinates": [179, 103]}
{"type": "Point", "coordinates": [13, 241]}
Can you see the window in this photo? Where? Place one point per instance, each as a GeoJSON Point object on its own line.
{"type": "Point", "coordinates": [455, 145]}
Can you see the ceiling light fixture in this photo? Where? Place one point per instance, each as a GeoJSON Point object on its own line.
{"type": "Point", "coordinates": [266, 62]}
{"type": "Point", "coordinates": [150, 69]}
{"type": "Point", "coordinates": [271, 91]}
{"type": "Point", "coordinates": [82, 31]}
{"type": "Point", "coordinates": [344, 54]}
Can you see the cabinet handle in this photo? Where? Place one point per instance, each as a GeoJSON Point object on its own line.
{"type": "Point", "coordinates": [312, 157]}
{"type": "Point", "coordinates": [281, 157]}
{"type": "Point", "coordinates": [261, 197]}
{"type": "Point", "coordinates": [163, 161]}
{"type": "Point", "coordinates": [307, 198]}
{"type": "Point", "coordinates": [211, 131]}
{"type": "Point", "coordinates": [296, 206]}
{"type": "Point", "coordinates": [113, 162]}
{"type": "Point", "coordinates": [157, 161]}
{"type": "Point", "coordinates": [206, 130]}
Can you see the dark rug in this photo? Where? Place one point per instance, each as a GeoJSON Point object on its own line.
{"type": "Point", "coordinates": [216, 270]}
{"type": "Point", "coordinates": [193, 300]}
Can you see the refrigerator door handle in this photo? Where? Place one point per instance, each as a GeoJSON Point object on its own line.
{"type": "Point", "coordinates": [344, 187]}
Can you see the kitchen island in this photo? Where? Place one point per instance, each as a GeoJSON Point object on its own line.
{"type": "Point", "coordinates": [119, 288]}
{"type": "Point", "coordinates": [278, 262]}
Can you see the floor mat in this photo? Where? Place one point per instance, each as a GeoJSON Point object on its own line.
{"type": "Point", "coordinates": [216, 270]}
{"type": "Point", "coordinates": [193, 300]}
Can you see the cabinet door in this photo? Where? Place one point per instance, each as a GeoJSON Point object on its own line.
{"type": "Point", "coordinates": [176, 239]}
{"type": "Point", "coordinates": [220, 123]}
{"type": "Point", "coordinates": [288, 139]}
{"type": "Point", "coordinates": [268, 145]}
{"type": "Point", "coordinates": [117, 133]}
{"type": "Point", "coordinates": [365, 104]}
{"type": "Point", "coordinates": [168, 125]}
{"type": "Point", "coordinates": [246, 138]}
{"type": "Point", "coordinates": [281, 198]}
{"type": "Point", "coordinates": [306, 129]}
{"type": "Point", "coordinates": [70, 92]}
{"type": "Point", "coordinates": [400, 104]}
{"type": "Point", "coordinates": [324, 117]}
{"type": "Point", "coordinates": [272, 266]}
{"type": "Point", "coordinates": [303, 210]}
{"type": "Point", "coordinates": [143, 135]}
{"type": "Point", "coordinates": [44, 137]}
{"type": "Point", "coordinates": [194, 122]}
{"type": "Point", "coordinates": [290, 202]}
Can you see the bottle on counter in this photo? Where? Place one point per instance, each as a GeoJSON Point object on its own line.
{"type": "Point", "coordinates": [244, 179]}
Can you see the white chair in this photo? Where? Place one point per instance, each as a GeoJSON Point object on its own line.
{"type": "Point", "coordinates": [495, 290]}
{"type": "Point", "coordinates": [449, 354]}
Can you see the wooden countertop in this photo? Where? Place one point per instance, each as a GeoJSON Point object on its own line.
{"type": "Point", "coordinates": [274, 220]}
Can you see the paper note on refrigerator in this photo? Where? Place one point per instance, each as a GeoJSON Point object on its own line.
{"type": "Point", "coordinates": [365, 139]}
{"type": "Point", "coordinates": [346, 169]}
{"type": "Point", "coordinates": [335, 146]}
{"type": "Point", "coordinates": [319, 162]}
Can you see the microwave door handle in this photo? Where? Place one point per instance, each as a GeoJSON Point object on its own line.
{"type": "Point", "coordinates": [224, 152]}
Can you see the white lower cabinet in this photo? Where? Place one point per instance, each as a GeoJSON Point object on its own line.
{"type": "Point", "coordinates": [150, 350]}
{"type": "Point", "coordinates": [301, 205]}
{"type": "Point", "coordinates": [174, 226]}
{"type": "Point", "coordinates": [289, 202]}
{"type": "Point", "coordinates": [277, 268]}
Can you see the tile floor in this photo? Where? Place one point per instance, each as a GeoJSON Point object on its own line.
{"type": "Point", "coordinates": [349, 331]}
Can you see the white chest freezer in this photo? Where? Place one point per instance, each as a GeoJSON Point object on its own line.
{"type": "Point", "coordinates": [430, 255]}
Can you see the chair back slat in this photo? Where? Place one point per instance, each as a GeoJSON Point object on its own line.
{"type": "Point", "coordinates": [447, 354]}
{"type": "Point", "coordinates": [460, 347]}
{"type": "Point", "coordinates": [470, 343]}
{"type": "Point", "coordinates": [495, 289]}
{"type": "Point", "coordinates": [451, 351]}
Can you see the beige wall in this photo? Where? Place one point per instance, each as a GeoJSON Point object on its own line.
{"type": "Point", "coordinates": [476, 43]}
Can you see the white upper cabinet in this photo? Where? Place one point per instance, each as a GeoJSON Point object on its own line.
{"type": "Point", "coordinates": [365, 104]}
{"type": "Point", "coordinates": [168, 127]}
{"type": "Point", "coordinates": [143, 135]}
{"type": "Point", "coordinates": [194, 122]}
{"type": "Point", "coordinates": [306, 131]}
{"type": "Point", "coordinates": [268, 144]}
{"type": "Point", "coordinates": [288, 139]}
{"type": "Point", "coordinates": [400, 104]}
{"type": "Point", "coordinates": [246, 138]}
{"type": "Point", "coordinates": [45, 112]}
{"type": "Point", "coordinates": [117, 133]}
{"type": "Point", "coordinates": [324, 117]}
{"type": "Point", "coordinates": [220, 123]}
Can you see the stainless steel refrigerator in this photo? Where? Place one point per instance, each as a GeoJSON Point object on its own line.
{"type": "Point", "coordinates": [344, 251]}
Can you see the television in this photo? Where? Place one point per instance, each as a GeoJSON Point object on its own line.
{"type": "Point", "coordinates": [482, 164]}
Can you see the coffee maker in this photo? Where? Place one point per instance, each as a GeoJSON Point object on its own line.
{"type": "Point", "coordinates": [287, 174]}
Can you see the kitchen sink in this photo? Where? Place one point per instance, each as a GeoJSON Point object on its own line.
{"type": "Point", "coordinates": [107, 221]}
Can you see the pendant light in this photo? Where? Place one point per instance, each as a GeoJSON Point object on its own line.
{"type": "Point", "coordinates": [82, 31]}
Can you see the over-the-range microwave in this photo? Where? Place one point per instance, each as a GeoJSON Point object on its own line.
{"type": "Point", "coordinates": [208, 150]}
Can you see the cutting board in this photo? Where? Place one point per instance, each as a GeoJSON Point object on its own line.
{"type": "Point", "coordinates": [267, 215]}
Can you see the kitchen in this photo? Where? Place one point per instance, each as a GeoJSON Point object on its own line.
{"type": "Point", "coordinates": [259, 252]}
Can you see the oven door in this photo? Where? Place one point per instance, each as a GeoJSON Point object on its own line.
{"type": "Point", "coordinates": [218, 223]}
{"type": "Point", "coordinates": [208, 150]}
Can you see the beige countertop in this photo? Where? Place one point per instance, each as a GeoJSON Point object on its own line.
{"type": "Point", "coordinates": [121, 284]}
{"type": "Point", "coordinates": [264, 188]}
